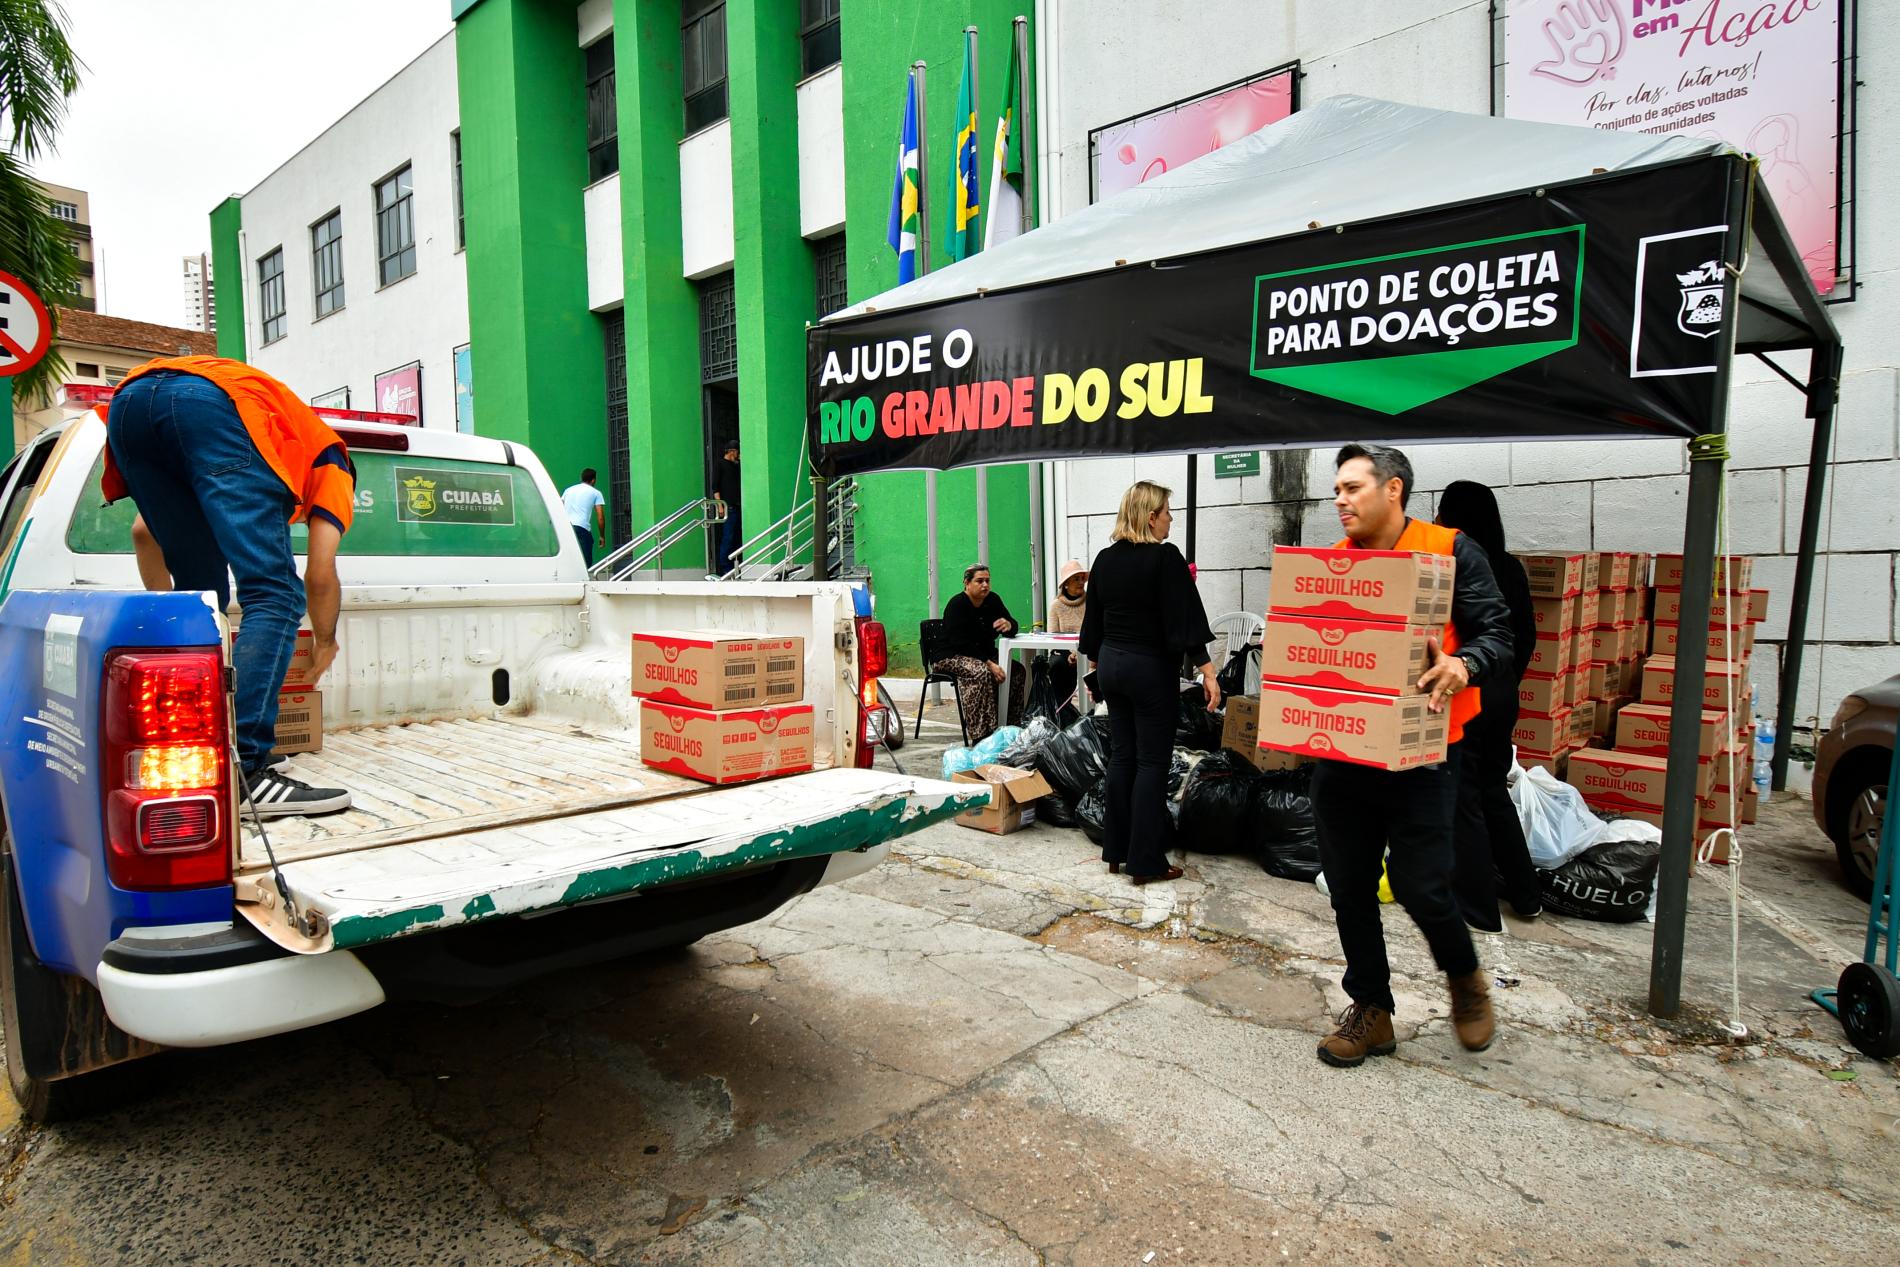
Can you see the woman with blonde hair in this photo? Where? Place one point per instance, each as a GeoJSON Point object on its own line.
{"type": "Point", "coordinates": [1143, 615]}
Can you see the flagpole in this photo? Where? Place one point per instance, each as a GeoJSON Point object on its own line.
{"type": "Point", "coordinates": [919, 71]}
{"type": "Point", "coordinates": [982, 473]}
{"type": "Point", "coordinates": [1021, 127]}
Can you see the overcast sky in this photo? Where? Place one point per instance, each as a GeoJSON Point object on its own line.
{"type": "Point", "coordinates": [186, 101]}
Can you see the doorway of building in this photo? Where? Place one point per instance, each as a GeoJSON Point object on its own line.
{"type": "Point", "coordinates": [719, 383]}
{"type": "Point", "coordinates": [613, 328]}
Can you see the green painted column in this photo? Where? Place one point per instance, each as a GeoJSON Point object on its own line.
{"type": "Point", "coordinates": [227, 273]}
{"type": "Point", "coordinates": [772, 269]}
{"type": "Point", "coordinates": [664, 424]}
{"type": "Point", "coordinates": [881, 38]}
{"type": "Point", "coordinates": [538, 351]}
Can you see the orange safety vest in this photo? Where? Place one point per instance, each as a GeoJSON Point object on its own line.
{"type": "Point", "coordinates": [1432, 539]}
{"type": "Point", "coordinates": [311, 459]}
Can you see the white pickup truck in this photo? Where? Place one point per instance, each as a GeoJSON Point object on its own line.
{"type": "Point", "coordinates": [480, 713]}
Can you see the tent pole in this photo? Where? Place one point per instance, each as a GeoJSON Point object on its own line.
{"type": "Point", "coordinates": [1680, 806]}
{"type": "Point", "coordinates": [919, 71]}
{"type": "Point", "coordinates": [1824, 379]}
{"type": "Point", "coordinates": [1193, 493]}
{"type": "Point", "coordinates": [820, 528]}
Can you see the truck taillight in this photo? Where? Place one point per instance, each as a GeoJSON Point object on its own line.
{"type": "Point", "coordinates": [874, 659]}
{"type": "Point", "coordinates": [167, 772]}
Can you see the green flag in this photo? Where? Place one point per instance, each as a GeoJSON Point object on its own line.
{"type": "Point", "coordinates": [1005, 219]}
{"type": "Point", "coordinates": [966, 197]}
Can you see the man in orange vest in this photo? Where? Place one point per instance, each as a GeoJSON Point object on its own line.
{"type": "Point", "coordinates": [1403, 818]}
{"type": "Point", "coordinates": [221, 459]}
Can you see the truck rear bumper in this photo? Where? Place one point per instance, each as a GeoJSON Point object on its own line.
{"type": "Point", "coordinates": [225, 985]}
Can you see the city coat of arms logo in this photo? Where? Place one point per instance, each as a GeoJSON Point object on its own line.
{"type": "Point", "coordinates": [418, 493]}
{"type": "Point", "coordinates": [1701, 311]}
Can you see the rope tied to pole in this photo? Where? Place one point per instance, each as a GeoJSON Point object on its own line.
{"type": "Point", "coordinates": [1709, 448]}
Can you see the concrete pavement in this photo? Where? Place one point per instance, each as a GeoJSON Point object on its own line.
{"type": "Point", "coordinates": [990, 1051]}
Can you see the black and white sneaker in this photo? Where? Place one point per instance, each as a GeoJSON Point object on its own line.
{"type": "Point", "coordinates": [277, 795]}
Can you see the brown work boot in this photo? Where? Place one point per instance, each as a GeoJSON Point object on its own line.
{"type": "Point", "coordinates": [1363, 1031]}
{"type": "Point", "coordinates": [1471, 1016]}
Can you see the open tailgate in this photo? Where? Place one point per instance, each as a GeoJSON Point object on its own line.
{"type": "Point", "coordinates": [374, 895]}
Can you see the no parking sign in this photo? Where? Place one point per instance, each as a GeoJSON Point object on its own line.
{"type": "Point", "coordinates": [26, 332]}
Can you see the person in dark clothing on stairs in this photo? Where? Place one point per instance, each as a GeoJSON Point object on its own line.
{"type": "Point", "coordinates": [726, 491]}
{"type": "Point", "coordinates": [1488, 838]}
{"type": "Point", "coordinates": [973, 620]}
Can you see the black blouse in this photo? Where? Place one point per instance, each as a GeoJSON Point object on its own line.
{"type": "Point", "coordinates": [1141, 597]}
{"type": "Point", "coordinates": [971, 630]}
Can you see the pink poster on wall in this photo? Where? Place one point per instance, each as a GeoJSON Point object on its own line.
{"type": "Point", "coordinates": [399, 391]}
{"type": "Point", "coordinates": [1125, 154]}
{"type": "Point", "coordinates": [1762, 76]}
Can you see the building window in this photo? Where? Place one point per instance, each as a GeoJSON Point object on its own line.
{"type": "Point", "coordinates": [86, 369]}
{"type": "Point", "coordinates": [270, 293]}
{"type": "Point", "coordinates": [115, 374]}
{"type": "Point", "coordinates": [818, 32]}
{"type": "Point", "coordinates": [828, 264]}
{"type": "Point", "coordinates": [603, 115]}
{"type": "Point", "coordinates": [326, 262]}
{"type": "Point", "coordinates": [703, 61]}
{"type": "Point", "coordinates": [395, 228]}
{"type": "Point", "coordinates": [455, 186]}
{"type": "Point", "coordinates": [67, 211]}
{"type": "Point", "coordinates": [718, 330]}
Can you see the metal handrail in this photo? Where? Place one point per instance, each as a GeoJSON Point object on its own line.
{"type": "Point", "coordinates": [669, 532]}
{"type": "Point", "coordinates": [782, 546]}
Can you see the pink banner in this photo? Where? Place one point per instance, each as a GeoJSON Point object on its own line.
{"type": "Point", "coordinates": [1128, 153]}
{"type": "Point", "coordinates": [399, 391]}
{"type": "Point", "coordinates": [1763, 76]}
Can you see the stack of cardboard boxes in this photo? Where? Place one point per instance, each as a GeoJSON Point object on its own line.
{"type": "Point", "coordinates": [1344, 650]}
{"type": "Point", "coordinates": [299, 702]}
{"type": "Point", "coordinates": [1591, 632]}
{"type": "Point", "coordinates": [1625, 769]}
{"type": "Point", "coordinates": [722, 707]}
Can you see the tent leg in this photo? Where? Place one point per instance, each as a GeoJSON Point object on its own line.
{"type": "Point", "coordinates": [820, 528]}
{"type": "Point", "coordinates": [1193, 496]}
{"type": "Point", "coordinates": [1824, 377]}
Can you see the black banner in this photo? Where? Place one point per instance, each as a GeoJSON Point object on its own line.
{"type": "Point", "coordinates": [1593, 309]}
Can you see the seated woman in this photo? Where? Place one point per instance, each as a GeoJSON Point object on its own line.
{"type": "Point", "coordinates": [1065, 617]}
{"type": "Point", "coordinates": [972, 622]}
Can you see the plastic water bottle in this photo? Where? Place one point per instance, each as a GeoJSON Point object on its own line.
{"type": "Point", "coordinates": [1764, 739]}
{"type": "Point", "coordinates": [1764, 775]}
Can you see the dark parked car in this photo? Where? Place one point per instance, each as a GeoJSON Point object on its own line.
{"type": "Point", "coordinates": [1850, 778]}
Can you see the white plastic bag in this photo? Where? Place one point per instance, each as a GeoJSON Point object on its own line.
{"type": "Point", "coordinates": [1557, 824]}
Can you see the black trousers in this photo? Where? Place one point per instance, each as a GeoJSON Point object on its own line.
{"type": "Point", "coordinates": [1487, 835]}
{"type": "Point", "coordinates": [1359, 812]}
{"type": "Point", "coordinates": [1143, 693]}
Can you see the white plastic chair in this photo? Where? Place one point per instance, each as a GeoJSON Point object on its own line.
{"type": "Point", "coordinates": [1239, 629]}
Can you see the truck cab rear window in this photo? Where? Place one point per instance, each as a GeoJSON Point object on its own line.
{"type": "Point", "coordinates": [405, 506]}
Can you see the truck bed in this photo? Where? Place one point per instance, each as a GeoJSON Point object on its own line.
{"type": "Point", "coordinates": [424, 780]}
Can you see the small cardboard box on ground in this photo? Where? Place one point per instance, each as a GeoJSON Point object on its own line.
{"type": "Point", "coordinates": [1401, 587]}
{"type": "Point", "coordinates": [1013, 794]}
{"type": "Point", "coordinates": [1645, 728]}
{"type": "Point", "coordinates": [1627, 780]}
{"type": "Point", "coordinates": [716, 669]}
{"type": "Point", "coordinates": [1389, 732]}
{"type": "Point", "coordinates": [1240, 733]}
{"type": "Point", "coordinates": [728, 746]}
{"type": "Point", "coordinates": [299, 720]}
{"type": "Point", "coordinates": [1345, 655]}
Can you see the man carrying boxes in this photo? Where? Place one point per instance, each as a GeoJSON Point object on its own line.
{"type": "Point", "coordinates": [1386, 716]}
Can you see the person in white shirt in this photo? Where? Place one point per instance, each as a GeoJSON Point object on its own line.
{"type": "Point", "coordinates": [587, 511]}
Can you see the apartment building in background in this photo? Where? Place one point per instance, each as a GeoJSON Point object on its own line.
{"type": "Point", "coordinates": [201, 305]}
{"type": "Point", "coordinates": [73, 208]}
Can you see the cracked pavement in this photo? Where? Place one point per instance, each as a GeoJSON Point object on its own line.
{"type": "Point", "coordinates": [989, 1051]}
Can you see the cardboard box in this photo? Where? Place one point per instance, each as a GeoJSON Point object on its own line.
{"type": "Point", "coordinates": [1733, 572]}
{"type": "Point", "coordinates": [1757, 606]}
{"type": "Point", "coordinates": [299, 721]}
{"type": "Point", "coordinates": [1607, 709]}
{"type": "Point", "coordinates": [1543, 694]}
{"type": "Point", "coordinates": [1013, 796]}
{"type": "Point", "coordinates": [1602, 677]}
{"type": "Point", "coordinates": [1558, 763]}
{"type": "Point", "coordinates": [1551, 656]}
{"type": "Point", "coordinates": [727, 745]}
{"type": "Point", "coordinates": [1400, 587]}
{"type": "Point", "coordinates": [1553, 575]}
{"type": "Point", "coordinates": [1591, 572]}
{"type": "Point", "coordinates": [1540, 732]}
{"type": "Point", "coordinates": [1240, 733]}
{"type": "Point", "coordinates": [1645, 728]}
{"type": "Point", "coordinates": [1732, 769]}
{"type": "Point", "coordinates": [1555, 617]}
{"type": "Point", "coordinates": [1751, 804]}
{"type": "Point", "coordinates": [712, 669]}
{"type": "Point", "coordinates": [1390, 732]}
{"type": "Point", "coordinates": [1583, 723]}
{"type": "Point", "coordinates": [1609, 644]}
{"type": "Point", "coordinates": [1587, 604]}
{"type": "Point", "coordinates": [1579, 686]}
{"type": "Point", "coordinates": [1724, 608]}
{"type": "Point", "coordinates": [1725, 642]}
{"type": "Point", "coordinates": [1613, 570]}
{"type": "Point", "coordinates": [1724, 686]}
{"type": "Point", "coordinates": [1619, 780]}
{"type": "Point", "coordinates": [1345, 655]}
{"type": "Point", "coordinates": [303, 659]}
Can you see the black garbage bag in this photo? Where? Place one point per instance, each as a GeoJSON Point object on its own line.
{"type": "Point", "coordinates": [1021, 755]}
{"type": "Point", "coordinates": [1217, 805]}
{"type": "Point", "coordinates": [1055, 811]}
{"type": "Point", "coordinates": [1284, 828]}
{"type": "Point", "coordinates": [1090, 810]}
{"type": "Point", "coordinates": [1194, 726]}
{"type": "Point", "coordinates": [1075, 760]}
{"type": "Point", "coordinates": [1241, 674]}
{"type": "Point", "coordinates": [1046, 698]}
{"type": "Point", "coordinates": [1609, 882]}
{"type": "Point", "coordinates": [1180, 766]}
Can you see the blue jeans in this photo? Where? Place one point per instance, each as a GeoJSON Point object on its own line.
{"type": "Point", "coordinates": [213, 503]}
{"type": "Point", "coordinates": [586, 537]}
{"type": "Point", "coordinates": [730, 539]}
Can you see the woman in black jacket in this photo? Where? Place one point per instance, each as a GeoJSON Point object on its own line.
{"type": "Point", "coordinates": [1143, 616]}
{"type": "Point", "coordinates": [1488, 839]}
